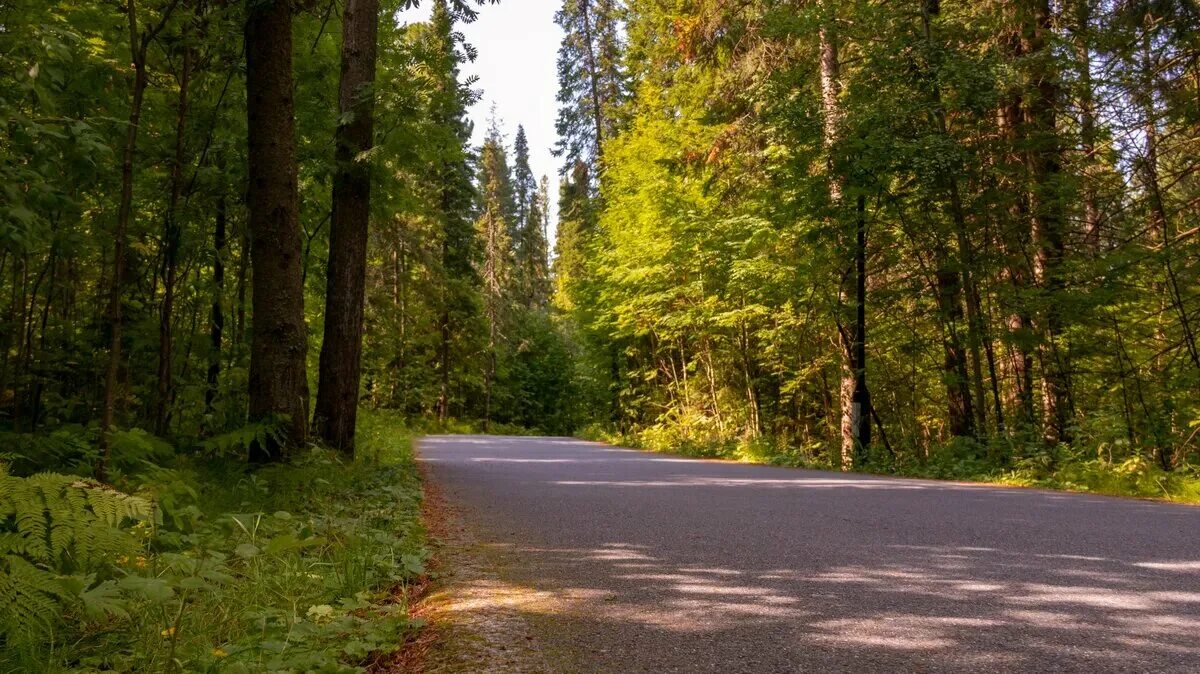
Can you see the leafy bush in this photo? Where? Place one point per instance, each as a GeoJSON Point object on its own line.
{"type": "Point", "coordinates": [1003, 461]}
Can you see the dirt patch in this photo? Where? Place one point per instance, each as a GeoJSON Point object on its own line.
{"type": "Point", "coordinates": [474, 619]}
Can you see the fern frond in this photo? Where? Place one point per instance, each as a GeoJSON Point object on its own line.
{"type": "Point", "coordinates": [52, 525]}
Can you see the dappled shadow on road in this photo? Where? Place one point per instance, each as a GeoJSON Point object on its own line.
{"type": "Point", "coordinates": [809, 480]}
{"type": "Point", "coordinates": [919, 608]}
{"type": "Point", "coordinates": [636, 562]}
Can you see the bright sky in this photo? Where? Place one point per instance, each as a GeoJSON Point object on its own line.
{"type": "Point", "coordinates": [517, 43]}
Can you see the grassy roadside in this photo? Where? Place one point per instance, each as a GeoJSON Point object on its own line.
{"type": "Point", "coordinates": [296, 567]}
{"type": "Point", "coordinates": [431, 426]}
{"type": "Point", "coordinates": [1094, 471]}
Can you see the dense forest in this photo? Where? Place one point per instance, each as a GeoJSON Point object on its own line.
{"type": "Point", "coordinates": [954, 238]}
{"type": "Point", "coordinates": [173, 263]}
{"type": "Point", "coordinates": [888, 235]}
{"type": "Point", "coordinates": [227, 226]}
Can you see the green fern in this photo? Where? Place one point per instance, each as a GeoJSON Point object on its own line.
{"type": "Point", "coordinates": [50, 526]}
{"type": "Point", "coordinates": [69, 448]}
{"type": "Point", "coordinates": [239, 440]}
{"type": "Point", "coordinates": [31, 599]}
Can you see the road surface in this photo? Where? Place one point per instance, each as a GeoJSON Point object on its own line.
{"type": "Point", "coordinates": [639, 562]}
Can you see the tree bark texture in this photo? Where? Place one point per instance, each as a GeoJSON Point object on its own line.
{"type": "Point", "coordinates": [341, 349]}
{"type": "Point", "coordinates": [278, 386]}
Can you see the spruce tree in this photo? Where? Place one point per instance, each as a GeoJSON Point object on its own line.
{"type": "Point", "coordinates": [524, 185]}
{"type": "Point", "coordinates": [591, 83]}
{"type": "Point", "coordinates": [455, 199]}
{"type": "Point", "coordinates": [496, 210]}
{"type": "Point", "coordinates": [529, 228]}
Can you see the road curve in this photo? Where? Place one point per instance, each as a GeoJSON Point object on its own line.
{"type": "Point", "coordinates": [640, 562]}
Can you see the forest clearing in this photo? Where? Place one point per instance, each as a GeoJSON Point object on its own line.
{"type": "Point", "coordinates": [272, 269]}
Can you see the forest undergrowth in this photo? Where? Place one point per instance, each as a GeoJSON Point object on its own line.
{"type": "Point", "coordinates": [1099, 468]}
{"type": "Point", "coordinates": [195, 561]}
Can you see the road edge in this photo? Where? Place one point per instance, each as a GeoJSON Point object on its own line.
{"type": "Point", "coordinates": [460, 636]}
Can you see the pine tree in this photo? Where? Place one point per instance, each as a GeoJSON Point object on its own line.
{"type": "Point", "coordinates": [496, 210]}
{"type": "Point", "coordinates": [455, 199]}
{"type": "Point", "coordinates": [591, 83]}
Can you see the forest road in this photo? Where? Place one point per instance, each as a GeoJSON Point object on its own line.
{"type": "Point", "coordinates": [640, 562]}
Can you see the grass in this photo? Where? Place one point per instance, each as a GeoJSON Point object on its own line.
{"type": "Point", "coordinates": [1088, 470]}
{"type": "Point", "coordinates": [295, 567]}
{"type": "Point", "coordinates": [455, 426]}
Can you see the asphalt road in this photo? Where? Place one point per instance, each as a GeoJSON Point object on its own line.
{"type": "Point", "coordinates": [640, 562]}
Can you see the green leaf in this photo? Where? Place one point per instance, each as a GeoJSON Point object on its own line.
{"type": "Point", "coordinates": [156, 590]}
{"type": "Point", "coordinates": [103, 599]}
{"type": "Point", "coordinates": [282, 543]}
{"type": "Point", "coordinates": [413, 564]}
{"type": "Point", "coordinates": [246, 550]}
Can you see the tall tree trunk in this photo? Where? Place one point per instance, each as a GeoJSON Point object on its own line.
{"type": "Point", "coordinates": [138, 43]}
{"type": "Point", "coordinates": [1047, 219]}
{"type": "Point", "coordinates": [171, 236]}
{"type": "Point", "coordinates": [593, 83]}
{"type": "Point", "coordinates": [949, 278]}
{"type": "Point", "coordinates": [1012, 239]}
{"type": "Point", "coordinates": [341, 350]}
{"type": "Point", "coordinates": [1082, 40]}
{"type": "Point", "coordinates": [216, 313]}
{"type": "Point", "coordinates": [860, 397]}
{"type": "Point", "coordinates": [855, 428]}
{"type": "Point", "coordinates": [278, 385]}
{"type": "Point", "coordinates": [443, 406]}
{"type": "Point", "coordinates": [954, 365]}
{"type": "Point", "coordinates": [444, 326]}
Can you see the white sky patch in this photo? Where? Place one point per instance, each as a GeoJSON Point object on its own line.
{"type": "Point", "coordinates": [517, 42]}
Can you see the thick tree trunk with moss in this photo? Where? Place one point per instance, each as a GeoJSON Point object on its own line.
{"type": "Point", "coordinates": [341, 350]}
{"type": "Point", "coordinates": [278, 384]}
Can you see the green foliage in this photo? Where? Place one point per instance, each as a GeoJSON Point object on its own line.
{"type": "Point", "coordinates": [289, 568]}
{"type": "Point", "coordinates": [238, 441]}
{"type": "Point", "coordinates": [1027, 268]}
{"type": "Point", "coordinates": [65, 448]}
{"type": "Point", "coordinates": [54, 530]}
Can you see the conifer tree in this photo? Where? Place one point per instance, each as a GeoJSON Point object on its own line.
{"type": "Point", "coordinates": [455, 199]}
{"type": "Point", "coordinates": [496, 210]}
{"type": "Point", "coordinates": [341, 349]}
{"type": "Point", "coordinates": [533, 250]}
{"type": "Point", "coordinates": [591, 83]}
{"type": "Point", "coordinates": [576, 221]}
{"type": "Point", "coordinates": [524, 185]}
{"type": "Point", "coordinates": [528, 231]}
{"type": "Point", "coordinates": [278, 372]}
